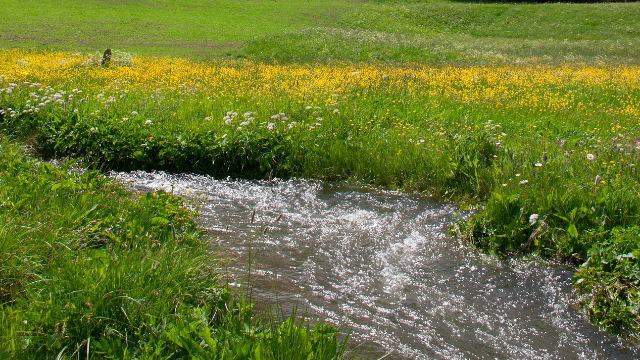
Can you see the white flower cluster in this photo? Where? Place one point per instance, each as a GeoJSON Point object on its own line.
{"type": "Point", "coordinates": [282, 118]}
{"type": "Point", "coordinates": [39, 98]}
{"type": "Point", "coordinates": [232, 118]}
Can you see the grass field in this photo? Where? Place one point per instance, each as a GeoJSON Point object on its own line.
{"type": "Point", "coordinates": [199, 29]}
{"type": "Point", "coordinates": [536, 124]}
{"type": "Point", "coordinates": [436, 32]}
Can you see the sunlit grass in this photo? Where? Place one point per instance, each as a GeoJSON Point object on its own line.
{"type": "Point", "coordinates": [332, 31]}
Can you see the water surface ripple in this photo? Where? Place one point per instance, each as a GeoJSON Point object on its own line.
{"type": "Point", "coordinates": [381, 263]}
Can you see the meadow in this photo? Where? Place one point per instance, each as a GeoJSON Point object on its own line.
{"type": "Point", "coordinates": [331, 31]}
{"type": "Point", "coordinates": [538, 133]}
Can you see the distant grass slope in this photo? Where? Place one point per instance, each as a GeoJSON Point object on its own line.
{"type": "Point", "coordinates": [331, 30]}
{"type": "Point", "coordinates": [197, 29]}
{"type": "Point", "coordinates": [432, 31]}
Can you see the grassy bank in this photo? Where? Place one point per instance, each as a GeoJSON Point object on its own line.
{"type": "Point", "coordinates": [551, 151]}
{"type": "Point", "coordinates": [90, 270]}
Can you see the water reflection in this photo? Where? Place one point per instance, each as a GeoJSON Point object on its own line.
{"type": "Point", "coordinates": [382, 263]}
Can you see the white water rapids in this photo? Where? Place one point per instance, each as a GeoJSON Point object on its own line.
{"type": "Point", "coordinates": [382, 264]}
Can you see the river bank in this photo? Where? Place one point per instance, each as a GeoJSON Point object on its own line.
{"type": "Point", "coordinates": [90, 269]}
{"type": "Point", "coordinates": [548, 152]}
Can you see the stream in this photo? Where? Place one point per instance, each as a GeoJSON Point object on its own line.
{"type": "Point", "coordinates": [382, 264]}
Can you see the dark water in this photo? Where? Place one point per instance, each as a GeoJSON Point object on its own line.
{"type": "Point", "coordinates": [382, 264]}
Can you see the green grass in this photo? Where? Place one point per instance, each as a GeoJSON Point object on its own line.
{"type": "Point", "coordinates": [331, 30]}
{"type": "Point", "coordinates": [89, 269]}
{"type": "Point", "coordinates": [199, 29]}
{"type": "Point", "coordinates": [448, 32]}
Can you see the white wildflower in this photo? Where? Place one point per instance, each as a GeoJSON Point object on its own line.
{"type": "Point", "coordinates": [533, 219]}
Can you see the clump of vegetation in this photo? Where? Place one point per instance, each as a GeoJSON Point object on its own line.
{"type": "Point", "coordinates": [609, 281]}
{"type": "Point", "coordinates": [89, 268]}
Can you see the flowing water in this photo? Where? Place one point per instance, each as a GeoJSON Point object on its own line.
{"type": "Point", "coordinates": [382, 264]}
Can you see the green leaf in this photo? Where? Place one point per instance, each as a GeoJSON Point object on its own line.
{"type": "Point", "coordinates": [159, 221]}
{"type": "Point", "coordinates": [87, 213]}
{"type": "Point", "coordinates": [573, 232]}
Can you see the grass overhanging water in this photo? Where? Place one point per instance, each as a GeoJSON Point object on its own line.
{"type": "Point", "coordinates": [90, 269]}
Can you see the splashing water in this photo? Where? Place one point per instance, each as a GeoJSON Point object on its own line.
{"type": "Point", "coordinates": [382, 264]}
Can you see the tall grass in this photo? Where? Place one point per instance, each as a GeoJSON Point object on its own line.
{"type": "Point", "coordinates": [90, 270]}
